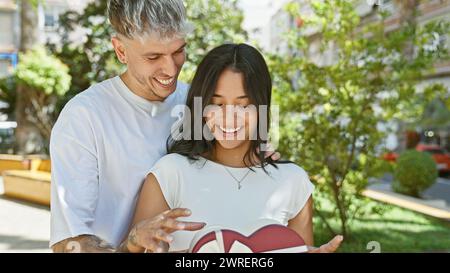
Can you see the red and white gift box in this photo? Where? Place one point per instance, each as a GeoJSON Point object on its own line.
{"type": "Point", "coordinates": [266, 238]}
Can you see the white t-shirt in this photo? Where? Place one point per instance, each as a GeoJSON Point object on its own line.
{"type": "Point", "coordinates": [103, 145]}
{"type": "Point", "coordinates": [210, 192]}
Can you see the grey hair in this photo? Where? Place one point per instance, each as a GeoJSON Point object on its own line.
{"type": "Point", "coordinates": [138, 18]}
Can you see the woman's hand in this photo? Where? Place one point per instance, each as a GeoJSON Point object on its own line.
{"type": "Point", "coordinates": [329, 247]}
{"type": "Point", "coordinates": [153, 234]}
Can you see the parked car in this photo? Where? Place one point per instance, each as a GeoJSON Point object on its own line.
{"type": "Point", "coordinates": [390, 156]}
{"type": "Point", "coordinates": [440, 156]}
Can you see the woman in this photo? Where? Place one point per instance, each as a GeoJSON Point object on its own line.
{"type": "Point", "coordinates": [223, 177]}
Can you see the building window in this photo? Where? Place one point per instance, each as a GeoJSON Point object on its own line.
{"type": "Point", "coordinates": [51, 19]}
{"type": "Point", "coordinates": [6, 25]}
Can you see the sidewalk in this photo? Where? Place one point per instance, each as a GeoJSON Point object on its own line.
{"type": "Point", "coordinates": [24, 227]}
{"type": "Point", "coordinates": [435, 200]}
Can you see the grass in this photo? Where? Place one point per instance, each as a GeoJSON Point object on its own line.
{"type": "Point", "coordinates": [396, 230]}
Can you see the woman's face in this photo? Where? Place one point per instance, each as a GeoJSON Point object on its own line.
{"type": "Point", "coordinates": [231, 118]}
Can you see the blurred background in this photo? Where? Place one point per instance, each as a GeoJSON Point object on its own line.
{"type": "Point", "coordinates": [362, 85]}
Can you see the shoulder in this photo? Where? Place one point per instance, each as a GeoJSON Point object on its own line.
{"type": "Point", "coordinates": [89, 99]}
{"type": "Point", "coordinates": [183, 86]}
{"type": "Point", "coordinates": [292, 170]}
{"type": "Point", "coordinates": [168, 171]}
{"type": "Point", "coordinates": [83, 108]}
{"type": "Point", "coordinates": [181, 93]}
{"type": "Point", "coordinates": [293, 176]}
{"type": "Point", "coordinates": [173, 161]}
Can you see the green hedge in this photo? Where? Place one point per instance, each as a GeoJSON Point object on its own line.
{"type": "Point", "coordinates": [415, 171]}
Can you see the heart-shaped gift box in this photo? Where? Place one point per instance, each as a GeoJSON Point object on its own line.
{"type": "Point", "coordinates": [271, 238]}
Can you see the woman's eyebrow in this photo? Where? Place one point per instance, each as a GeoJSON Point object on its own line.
{"type": "Point", "coordinates": [238, 98]}
{"type": "Point", "coordinates": [242, 97]}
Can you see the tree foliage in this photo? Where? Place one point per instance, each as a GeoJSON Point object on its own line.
{"type": "Point", "coordinates": [335, 114]}
{"type": "Point", "coordinates": [45, 79]}
{"type": "Point", "coordinates": [415, 171]}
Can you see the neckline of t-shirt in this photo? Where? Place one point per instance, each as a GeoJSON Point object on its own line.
{"type": "Point", "coordinates": [228, 167]}
{"type": "Point", "coordinates": [153, 107]}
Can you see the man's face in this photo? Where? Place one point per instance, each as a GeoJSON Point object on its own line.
{"type": "Point", "coordinates": [153, 64]}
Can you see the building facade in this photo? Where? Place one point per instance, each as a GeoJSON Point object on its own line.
{"type": "Point", "coordinates": [48, 14]}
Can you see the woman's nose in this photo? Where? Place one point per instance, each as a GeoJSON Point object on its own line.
{"type": "Point", "coordinates": [230, 117]}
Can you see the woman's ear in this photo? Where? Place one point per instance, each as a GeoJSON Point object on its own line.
{"type": "Point", "coordinates": [119, 48]}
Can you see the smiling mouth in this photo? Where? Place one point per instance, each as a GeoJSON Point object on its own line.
{"type": "Point", "coordinates": [230, 130]}
{"type": "Point", "coordinates": [165, 82]}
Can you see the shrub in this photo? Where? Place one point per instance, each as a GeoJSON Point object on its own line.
{"type": "Point", "coordinates": [415, 172]}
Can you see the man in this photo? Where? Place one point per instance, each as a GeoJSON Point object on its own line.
{"type": "Point", "coordinates": [108, 137]}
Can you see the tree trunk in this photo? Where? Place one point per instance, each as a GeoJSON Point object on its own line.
{"type": "Point", "coordinates": [407, 16]}
{"type": "Point", "coordinates": [408, 13]}
{"type": "Point", "coordinates": [29, 32]}
{"type": "Point", "coordinates": [27, 140]}
{"type": "Point", "coordinates": [341, 208]}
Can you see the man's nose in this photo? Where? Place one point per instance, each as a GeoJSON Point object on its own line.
{"type": "Point", "coordinates": [169, 66]}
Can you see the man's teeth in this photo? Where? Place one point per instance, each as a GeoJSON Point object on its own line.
{"type": "Point", "coordinates": [165, 82]}
{"type": "Point", "coordinates": [230, 130]}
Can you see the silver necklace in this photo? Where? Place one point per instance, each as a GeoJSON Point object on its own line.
{"type": "Point", "coordinates": [237, 180]}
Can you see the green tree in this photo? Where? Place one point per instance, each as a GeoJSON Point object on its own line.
{"type": "Point", "coordinates": [45, 79]}
{"type": "Point", "coordinates": [332, 112]}
{"type": "Point", "coordinates": [93, 59]}
{"type": "Point", "coordinates": [215, 22]}
{"type": "Point", "coordinates": [29, 37]}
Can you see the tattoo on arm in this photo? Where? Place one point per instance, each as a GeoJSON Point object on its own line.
{"type": "Point", "coordinates": [83, 244]}
{"type": "Point", "coordinates": [132, 237]}
{"type": "Point", "coordinates": [130, 240]}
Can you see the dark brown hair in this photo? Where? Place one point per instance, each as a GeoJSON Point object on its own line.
{"type": "Point", "coordinates": [240, 58]}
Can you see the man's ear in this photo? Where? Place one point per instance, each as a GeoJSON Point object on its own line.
{"type": "Point", "coordinates": [119, 48]}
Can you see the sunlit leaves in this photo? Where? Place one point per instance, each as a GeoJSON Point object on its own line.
{"type": "Point", "coordinates": [43, 72]}
{"type": "Point", "coordinates": [333, 111]}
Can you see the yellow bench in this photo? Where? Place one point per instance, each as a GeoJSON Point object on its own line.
{"type": "Point", "coordinates": [13, 162]}
{"type": "Point", "coordinates": [31, 185]}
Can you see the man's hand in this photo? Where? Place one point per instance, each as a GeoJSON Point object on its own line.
{"type": "Point", "coordinates": [273, 155]}
{"type": "Point", "coordinates": [153, 235]}
{"type": "Point", "coordinates": [270, 152]}
{"type": "Point", "coordinates": [83, 244]}
{"type": "Point", "coordinates": [329, 247]}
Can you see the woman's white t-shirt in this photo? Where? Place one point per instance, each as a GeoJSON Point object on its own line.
{"type": "Point", "coordinates": [211, 193]}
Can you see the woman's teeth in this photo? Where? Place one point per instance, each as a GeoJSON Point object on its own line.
{"type": "Point", "coordinates": [230, 130]}
{"type": "Point", "coordinates": [165, 82]}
